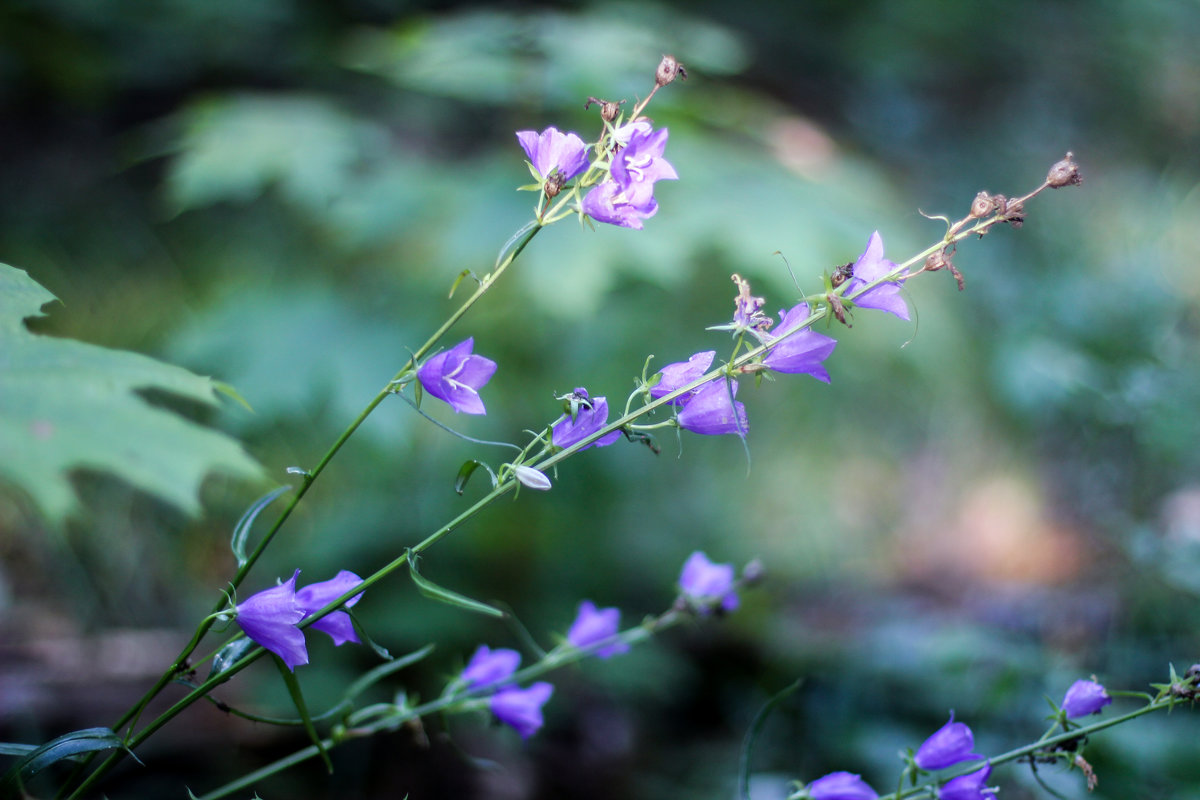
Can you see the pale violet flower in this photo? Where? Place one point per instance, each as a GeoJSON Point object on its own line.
{"type": "Point", "coordinates": [270, 617]}
{"type": "Point", "coordinates": [522, 708]}
{"type": "Point", "coordinates": [704, 583]}
{"type": "Point", "coordinates": [554, 150]}
{"type": "Point", "coordinates": [680, 374]}
{"type": "Point", "coordinates": [592, 625]}
{"type": "Point", "coordinates": [951, 744]}
{"type": "Point", "coordinates": [871, 266]}
{"type": "Point", "coordinates": [840, 786]}
{"type": "Point", "coordinates": [802, 352]}
{"type": "Point", "coordinates": [456, 376]}
{"type": "Point", "coordinates": [1083, 698]}
{"type": "Point", "coordinates": [711, 411]}
{"type": "Point", "coordinates": [490, 666]}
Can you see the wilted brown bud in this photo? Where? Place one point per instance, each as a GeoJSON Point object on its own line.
{"type": "Point", "coordinates": [842, 274]}
{"type": "Point", "coordinates": [982, 205]}
{"type": "Point", "coordinates": [837, 308]}
{"type": "Point", "coordinates": [608, 108]}
{"type": "Point", "coordinates": [1014, 212]}
{"type": "Point", "coordinates": [1064, 173]}
{"type": "Point", "coordinates": [554, 184]}
{"type": "Point", "coordinates": [668, 70]}
{"type": "Point", "coordinates": [941, 260]}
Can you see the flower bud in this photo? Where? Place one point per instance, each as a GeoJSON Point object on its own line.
{"type": "Point", "coordinates": [532, 478]}
{"type": "Point", "coordinates": [668, 70]}
{"type": "Point", "coordinates": [1083, 698]}
{"type": "Point", "coordinates": [1064, 173]}
{"type": "Point", "coordinates": [609, 109]}
{"type": "Point", "coordinates": [753, 572]}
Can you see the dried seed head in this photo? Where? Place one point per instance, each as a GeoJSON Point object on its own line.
{"type": "Point", "coordinates": [554, 184]}
{"type": "Point", "coordinates": [1014, 212]}
{"type": "Point", "coordinates": [982, 205]}
{"type": "Point", "coordinates": [609, 109]}
{"type": "Point", "coordinates": [668, 70]}
{"type": "Point", "coordinates": [1064, 173]}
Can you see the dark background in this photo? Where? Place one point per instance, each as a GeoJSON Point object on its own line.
{"type": "Point", "coordinates": [280, 194]}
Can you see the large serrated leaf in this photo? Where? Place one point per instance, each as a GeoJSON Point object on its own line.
{"type": "Point", "coordinates": [67, 405]}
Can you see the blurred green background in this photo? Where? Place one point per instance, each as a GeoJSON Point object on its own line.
{"type": "Point", "coordinates": [279, 194]}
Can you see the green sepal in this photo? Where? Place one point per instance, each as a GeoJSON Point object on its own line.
{"type": "Point", "coordinates": [229, 655]}
{"type": "Point", "coordinates": [70, 745]}
{"type": "Point", "coordinates": [454, 286]}
{"type": "Point", "coordinates": [293, 687]}
{"type": "Point", "coordinates": [435, 592]}
{"type": "Point", "coordinates": [241, 531]}
{"type": "Point", "coordinates": [467, 470]}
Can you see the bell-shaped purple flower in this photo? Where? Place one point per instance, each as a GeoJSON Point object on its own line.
{"type": "Point", "coordinates": [626, 208]}
{"type": "Point", "coordinates": [951, 744]}
{"type": "Point", "coordinates": [269, 618]}
{"type": "Point", "coordinates": [712, 412]}
{"type": "Point", "coordinates": [554, 150]}
{"type": "Point", "coordinates": [522, 708]}
{"type": "Point", "coordinates": [591, 415]}
{"type": "Point", "coordinates": [972, 786]}
{"type": "Point", "coordinates": [315, 596]}
{"type": "Point", "coordinates": [802, 352]}
{"type": "Point", "coordinates": [681, 373]}
{"type": "Point", "coordinates": [840, 786]}
{"type": "Point", "coordinates": [641, 162]}
{"type": "Point", "coordinates": [490, 666]}
{"type": "Point", "coordinates": [595, 624]}
{"type": "Point", "coordinates": [456, 376]}
{"type": "Point", "coordinates": [704, 583]}
{"type": "Point", "coordinates": [1083, 698]}
{"type": "Point", "coordinates": [870, 266]}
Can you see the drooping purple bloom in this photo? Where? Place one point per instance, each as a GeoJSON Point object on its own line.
{"type": "Point", "coordinates": [269, 618]}
{"type": "Point", "coordinates": [951, 744]}
{"type": "Point", "coordinates": [840, 786]}
{"type": "Point", "coordinates": [591, 415]}
{"type": "Point", "coordinates": [554, 150]}
{"type": "Point", "coordinates": [593, 624]}
{"type": "Point", "coordinates": [522, 708]}
{"type": "Point", "coordinates": [870, 266]}
{"type": "Point", "coordinates": [972, 786]}
{"type": "Point", "coordinates": [680, 374]}
{"type": "Point", "coordinates": [641, 162]}
{"type": "Point", "coordinates": [622, 134]}
{"type": "Point", "coordinates": [456, 376]}
{"type": "Point", "coordinates": [611, 204]}
{"type": "Point", "coordinates": [315, 596]}
{"type": "Point", "coordinates": [490, 666]}
{"type": "Point", "coordinates": [802, 352]}
{"type": "Point", "coordinates": [705, 583]}
{"type": "Point", "coordinates": [1083, 698]}
{"type": "Point", "coordinates": [712, 412]}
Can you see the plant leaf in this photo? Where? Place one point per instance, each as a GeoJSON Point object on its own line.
{"type": "Point", "coordinates": [241, 531]}
{"type": "Point", "coordinates": [67, 405]}
{"type": "Point", "coordinates": [435, 592]}
{"type": "Point", "coordinates": [69, 745]}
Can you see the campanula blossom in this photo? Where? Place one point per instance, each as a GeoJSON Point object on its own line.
{"type": "Point", "coordinates": [532, 478]}
{"type": "Point", "coordinates": [951, 744]}
{"type": "Point", "coordinates": [270, 617]}
{"type": "Point", "coordinates": [591, 414]}
{"type": "Point", "coordinates": [640, 163]}
{"type": "Point", "coordinates": [611, 204]}
{"type": "Point", "coordinates": [680, 374]}
{"type": "Point", "coordinates": [1083, 698]}
{"type": "Point", "coordinates": [315, 596]}
{"type": "Point", "coordinates": [593, 624]}
{"type": "Point", "coordinates": [840, 786]}
{"type": "Point", "coordinates": [747, 312]}
{"type": "Point", "coordinates": [705, 583]}
{"type": "Point", "coordinates": [802, 352]}
{"type": "Point", "coordinates": [554, 150]}
{"type": "Point", "coordinates": [522, 708]}
{"type": "Point", "coordinates": [622, 134]}
{"type": "Point", "coordinates": [870, 266]}
{"type": "Point", "coordinates": [490, 666]}
{"type": "Point", "coordinates": [712, 412]}
{"type": "Point", "coordinates": [456, 376]}
{"type": "Point", "coordinates": [972, 786]}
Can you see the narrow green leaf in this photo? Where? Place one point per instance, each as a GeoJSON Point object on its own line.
{"type": "Point", "coordinates": [293, 687]}
{"type": "Point", "coordinates": [241, 531]}
{"type": "Point", "coordinates": [435, 592]}
{"type": "Point", "coordinates": [756, 726]}
{"type": "Point", "coordinates": [383, 670]}
{"type": "Point", "coordinates": [230, 654]}
{"type": "Point", "coordinates": [69, 745]}
{"type": "Point", "coordinates": [458, 280]}
{"type": "Point", "coordinates": [464, 474]}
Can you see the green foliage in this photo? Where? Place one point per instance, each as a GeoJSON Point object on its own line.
{"type": "Point", "coordinates": [67, 405]}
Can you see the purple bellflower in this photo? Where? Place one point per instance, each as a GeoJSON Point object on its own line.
{"type": "Point", "coordinates": [951, 744]}
{"type": "Point", "coordinates": [711, 412]}
{"type": "Point", "coordinates": [315, 596]}
{"type": "Point", "coordinates": [705, 583]}
{"type": "Point", "coordinates": [641, 162]}
{"type": "Point", "coordinates": [840, 786]}
{"type": "Point", "coordinates": [800, 353]}
{"type": "Point", "coordinates": [490, 666]}
{"type": "Point", "coordinates": [681, 373]}
{"type": "Point", "coordinates": [627, 197]}
{"type": "Point", "coordinates": [611, 204]}
{"type": "Point", "coordinates": [593, 624]}
{"type": "Point", "coordinates": [456, 376]}
{"type": "Point", "coordinates": [591, 415]}
{"type": "Point", "coordinates": [972, 786]}
{"type": "Point", "coordinates": [269, 618]}
{"type": "Point", "coordinates": [622, 134]}
{"type": "Point", "coordinates": [554, 150]}
{"type": "Point", "coordinates": [1083, 698]}
{"type": "Point", "coordinates": [870, 266]}
{"type": "Point", "coordinates": [522, 708]}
